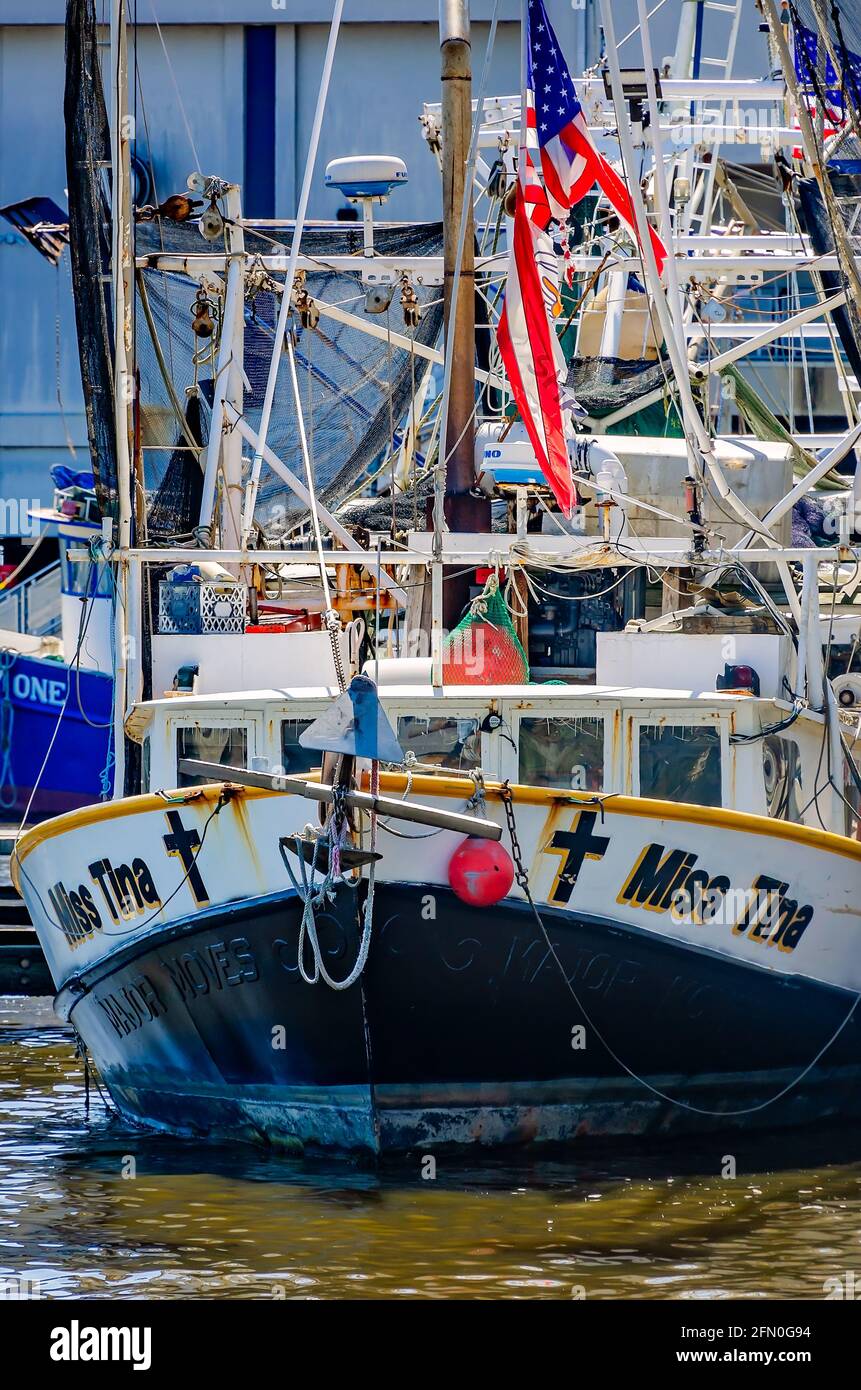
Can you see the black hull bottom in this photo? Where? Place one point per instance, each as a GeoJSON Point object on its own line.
{"type": "Point", "coordinates": [462, 1031]}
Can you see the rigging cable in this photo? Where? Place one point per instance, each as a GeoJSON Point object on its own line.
{"type": "Point", "coordinates": [523, 882]}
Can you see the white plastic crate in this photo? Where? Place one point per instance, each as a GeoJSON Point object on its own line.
{"type": "Point", "coordinates": [204, 607]}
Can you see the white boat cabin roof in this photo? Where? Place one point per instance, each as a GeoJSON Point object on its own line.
{"type": "Point", "coordinates": [146, 711]}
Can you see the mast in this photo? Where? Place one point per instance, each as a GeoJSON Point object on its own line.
{"type": "Point", "coordinates": [463, 511]}
{"type": "Point", "coordinates": [123, 301]}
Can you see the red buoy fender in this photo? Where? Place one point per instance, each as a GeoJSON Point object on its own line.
{"type": "Point", "coordinates": [480, 872]}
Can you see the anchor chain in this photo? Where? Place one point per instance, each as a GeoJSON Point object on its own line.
{"type": "Point", "coordinates": [520, 874]}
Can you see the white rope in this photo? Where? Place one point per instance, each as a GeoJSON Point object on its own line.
{"type": "Point", "coordinates": [316, 895]}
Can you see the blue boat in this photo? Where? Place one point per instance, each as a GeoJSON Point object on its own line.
{"type": "Point", "coordinates": [55, 736]}
{"type": "Point", "coordinates": [56, 732]}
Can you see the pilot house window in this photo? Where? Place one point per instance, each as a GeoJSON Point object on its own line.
{"type": "Point", "coordinates": [227, 746]}
{"type": "Point", "coordinates": [567, 754]}
{"type": "Point", "coordinates": [295, 758]}
{"type": "Point", "coordinates": [449, 743]}
{"type": "Point", "coordinates": [680, 762]}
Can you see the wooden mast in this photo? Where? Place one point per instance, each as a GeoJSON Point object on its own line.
{"type": "Point", "coordinates": [463, 510]}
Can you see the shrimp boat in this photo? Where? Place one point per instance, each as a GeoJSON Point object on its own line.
{"type": "Point", "coordinates": [445, 815]}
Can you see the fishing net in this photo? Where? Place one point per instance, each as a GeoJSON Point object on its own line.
{"type": "Point", "coordinates": [355, 389]}
{"type": "Point", "coordinates": [605, 384]}
{"type": "Point", "coordinates": [484, 649]}
{"type": "Point", "coordinates": [407, 512]}
{"type": "Point", "coordinates": [175, 508]}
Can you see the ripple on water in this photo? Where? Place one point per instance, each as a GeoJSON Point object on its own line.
{"type": "Point", "coordinates": [202, 1222]}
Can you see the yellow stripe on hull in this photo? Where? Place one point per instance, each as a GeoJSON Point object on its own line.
{"type": "Point", "coordinates": [461, 789]}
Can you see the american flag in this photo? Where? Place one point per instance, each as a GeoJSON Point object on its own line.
{"type": "Point", "coordinates": [570, 163]}
{"type": "Point", "coordinates": [554, 138]}
{"type": "Point", "coordinates": [527, 337]}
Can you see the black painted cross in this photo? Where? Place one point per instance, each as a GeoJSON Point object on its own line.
{"type": "Point", "coordinates": [183, 844]}
{"type": "Point", "coordinates": [575, 845]}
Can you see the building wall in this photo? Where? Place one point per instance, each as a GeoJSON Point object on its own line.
{"type": "Point", "coordinates": [196, 83]}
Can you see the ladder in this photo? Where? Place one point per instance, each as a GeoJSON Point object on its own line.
{"type": "Point", "coordinates": [706, 49]}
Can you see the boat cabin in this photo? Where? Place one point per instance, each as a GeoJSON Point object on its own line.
{"type": "Point", "coordinates": [728, 748]}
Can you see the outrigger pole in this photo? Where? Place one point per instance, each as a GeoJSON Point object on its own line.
{"type": "Point", "coordinates": [122, 264]}
{"type": "Point", "coordinates": [287, 297]}
{"type": "Point", "coordinates": [479, 827]}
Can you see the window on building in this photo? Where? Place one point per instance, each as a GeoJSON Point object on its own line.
{"type": "Point", "coordinates": [567, 754]}
{"type": "Point", "coordinates": [448, 743]}
{"type": "Point", "coordinates": [295, 758]}
{"type": "Point", "coordinates": [258, 191]}
{"type": "Point", "coordinates": [680, 762]}
{"type": "Point", "coordinates": [227, 746]}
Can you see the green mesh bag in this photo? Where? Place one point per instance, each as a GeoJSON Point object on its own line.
{"type": "Point", "coordinates": [484, 648]}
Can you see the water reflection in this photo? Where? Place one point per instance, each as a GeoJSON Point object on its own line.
{"type": "Point", "coordinates": [198, 1221]}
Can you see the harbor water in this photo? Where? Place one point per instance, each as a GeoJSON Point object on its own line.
{"type": "Point", "coordinates": [91, 1208]}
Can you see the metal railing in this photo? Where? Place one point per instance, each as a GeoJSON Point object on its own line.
{"type": "Point", "coordinates": [33, 606]}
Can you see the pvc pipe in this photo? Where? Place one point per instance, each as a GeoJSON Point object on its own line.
{"type": "Point", "coordinates": [231, 330]}
{"type": "Point", "coordinates": [617, 286]}
{"type": "Point", "coordinates": [836, 754]}
{"type": "Point", "coordinates": [815, 673]}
